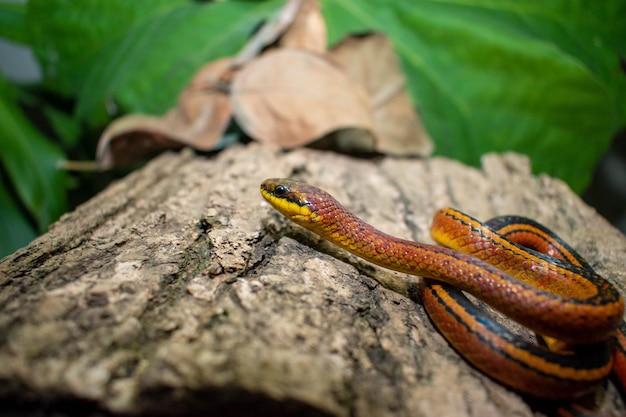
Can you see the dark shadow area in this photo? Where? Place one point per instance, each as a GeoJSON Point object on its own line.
{"type": "Point", "coordinates": [165, 403]}
{"type": "Point", "coordinates": [607, 191]}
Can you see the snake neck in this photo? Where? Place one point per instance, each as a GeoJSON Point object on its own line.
{"type": "Point", "coordinates": [349, 232]}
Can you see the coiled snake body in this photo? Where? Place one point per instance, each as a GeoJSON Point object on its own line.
{"type": "Point", "coordinates": [562, 299]}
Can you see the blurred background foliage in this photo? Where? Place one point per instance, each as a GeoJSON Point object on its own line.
{"type": "Point", "coordinates": [538, 77]}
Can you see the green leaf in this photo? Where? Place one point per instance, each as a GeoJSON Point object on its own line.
{"type": "Point", "coordinates": [142, 63]}
{"type": "Point", "coordinates": [13, 22]}
{"type": "Point", "coordinates": [146, 70]}
{"type": "Point", "coordinates": [537, 77]}
{"type": "Point", "coordinates": [66, 37]}
{"type": "Point", "coordinates": [66, 127]}
{"type": "Point", "coordinates": [15, 230]}
{"type": "Point", "coordinates": [30, 161]}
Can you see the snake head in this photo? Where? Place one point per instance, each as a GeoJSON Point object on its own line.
{"type": "Point", "coordinates": [295, 200]}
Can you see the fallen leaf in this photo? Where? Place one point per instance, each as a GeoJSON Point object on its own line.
{"type": "Point", "coordinates": [291, 97]}
{"type": "Point", "coordinates": [352, 140]}
{"type": "Point", "coordinates": [202, 95]}
{"type": "Point", "coordinates": [271, 31]}
{"type": "Point", "coordinates": [370, 61]}
{"type": "Point", "coordinates": [308, 30]}
{"type": "Point", "coordinates": [199, 121]}
{"type": "Point", "coordinates": [284, 88]}
{"type": "Point", "coordinates": [130, 138]}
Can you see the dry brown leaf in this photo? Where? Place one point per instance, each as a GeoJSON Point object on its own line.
{"type": "Point", "coordinates": [371, 61]}
{"type": "Point", "coordinates": [130, 138]}
{"type": "Point", "coordinates": [298, 24]}
{"type": "Point", "coordinates": [269, 32]}
{"type": "Point", "coordinates": [291, 97]}
{"type": "Point", "coordinates": [352, 140]}
{"type": "Point", "coordinates": [202, 115]}
{"type": "Point", "coordinates": [205, 88]}
{"type": "Point", "coordinates": [308, 30]}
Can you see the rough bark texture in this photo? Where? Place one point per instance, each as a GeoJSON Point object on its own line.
{"type": "Point", "coordinates": [178, 289]}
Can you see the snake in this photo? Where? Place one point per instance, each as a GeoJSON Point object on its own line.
{"type": "Point", "coordinates": [511, 263]}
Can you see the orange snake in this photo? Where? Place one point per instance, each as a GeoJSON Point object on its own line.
{"type": "Point", "coordinates": [561, 299]}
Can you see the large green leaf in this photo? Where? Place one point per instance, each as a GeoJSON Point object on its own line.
{"type": "Point", "coordinates": [533, 76]}
{"type": "Point", "coordinates": [13, 21]}
{"type": "Point", "coordinates": [15, 230]}
{"type": "Point", "coordinates": [537, 77]}
{"type": "Point", "coordinates": [30, 162]}
{"type": "Point", "coordinates": [67, 36]}
{"type": "Point", "coordinates": [141, 63]}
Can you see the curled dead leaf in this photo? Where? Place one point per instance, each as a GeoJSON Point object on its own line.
{"type": "Point", "coordinates": [199, 121]}
{"type": "Point", "coordinates": [298, 24]}
{"type": "Point", "coordinates": [308, 30]}
{"type": "Point", "coordinates": [130, 138]}
{"type": "Point", "coordinates": [291, 97]}
{"type": "Point", "coordinates": [371, 61]}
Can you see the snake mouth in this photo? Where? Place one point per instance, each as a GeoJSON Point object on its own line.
{"type": "Point", "coordinates": [300, 214]}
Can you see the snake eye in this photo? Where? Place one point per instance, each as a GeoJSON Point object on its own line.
{"type": "Point", "coordinates": [281, 191]}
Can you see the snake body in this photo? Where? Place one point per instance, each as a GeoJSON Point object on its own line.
{"type": "Point", "coordinates": [556, 295]}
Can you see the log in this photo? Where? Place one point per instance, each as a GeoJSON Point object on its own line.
{"type": "Point", "coordinates": [179, 291]}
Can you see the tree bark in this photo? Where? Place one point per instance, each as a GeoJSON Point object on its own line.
{"type": "Point", "coordinates": [178, 290]}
